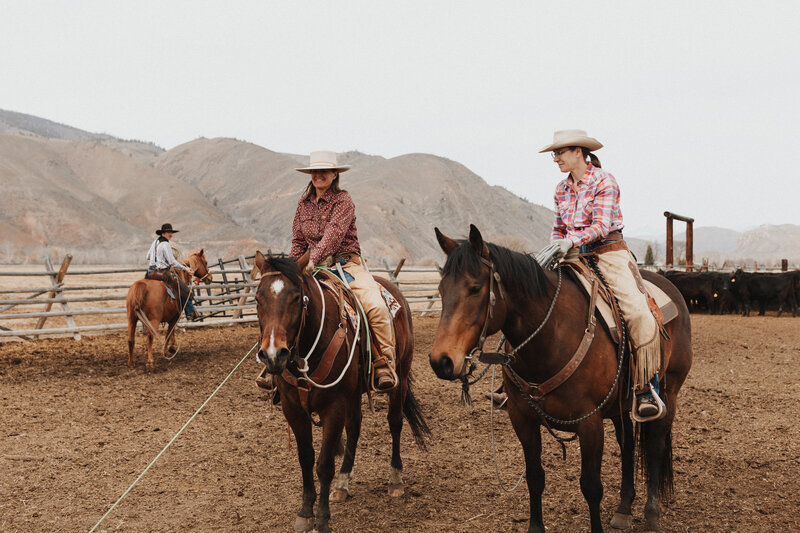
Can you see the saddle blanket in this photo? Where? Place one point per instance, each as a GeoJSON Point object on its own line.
{"type": "Point", "coordinates": [668, 308]}
{"type": "Point", "coordinates": [391, 301]}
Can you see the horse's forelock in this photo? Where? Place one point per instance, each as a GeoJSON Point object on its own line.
{"type": "Point", "coordinates": [287, 267]}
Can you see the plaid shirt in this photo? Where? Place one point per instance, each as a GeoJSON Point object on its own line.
{"type": "Point", "coordinates": [327, 227]}
{"type": "Point", "coordinates": [589, 214]}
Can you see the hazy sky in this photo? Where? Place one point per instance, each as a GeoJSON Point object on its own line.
{"type": "Point", "coordinates": [696, 102]}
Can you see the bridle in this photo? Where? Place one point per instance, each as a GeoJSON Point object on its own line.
{"type": "Point", "coordinates": [494, 277]}
{"type": "Point", "coordinates": [302, 362]}
{"type": "Point", "coordinates": [497, 357]}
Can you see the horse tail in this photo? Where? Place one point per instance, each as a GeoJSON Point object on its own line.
{"type": "Point", "coordinates": [135, 300]}
{"type": "Point", "coordinates": [416, 420]}
{"type": "Point", "coordinates": [646, 432]}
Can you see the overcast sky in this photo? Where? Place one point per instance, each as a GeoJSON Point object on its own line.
{"type": "Point", "coordinates": [696, 102]}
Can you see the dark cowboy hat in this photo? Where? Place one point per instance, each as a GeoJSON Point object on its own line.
{"type": "Point", "coordinates": [166, 228]}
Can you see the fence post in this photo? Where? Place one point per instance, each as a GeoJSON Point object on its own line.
{"type": "Point", "coordinates": [57, 279]}
{"type": "Point", "coordinates": [393, 275]}
{"type": "Point", "coordinates": [237, 313]}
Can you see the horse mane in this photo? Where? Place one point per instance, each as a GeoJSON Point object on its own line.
{"type": "Point", "coordinates": [518, 272]}
{"type": "Point", "coordinates": [286, 266]}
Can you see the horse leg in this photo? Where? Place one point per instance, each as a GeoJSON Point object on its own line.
{"type": "Point", "coordinates": [169, 342]}
{"type": "Point", "coordinates": [529, 435]}
{"type": "Point", "coordinates": [131, 337]}
{"type": "Point", "coordinates": [395, 417]}
{"type": "Point", "coordinates": [341, 488]}
{"type": "Point", "coordinates": [332, 427]}
{"type": "Point", "coordinates": [301, 427]}
{"type": "Point", "coordinates": [150, 365]}
{"type": "Point", "coordinates": [623, 427]}
{"type": "Point", "coordinates": [590, 436]}
{"type": "Point", "coordinates": [657, 448]}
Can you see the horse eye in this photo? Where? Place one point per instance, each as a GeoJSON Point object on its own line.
{"type": "Point", "coordinates": [475, 289]}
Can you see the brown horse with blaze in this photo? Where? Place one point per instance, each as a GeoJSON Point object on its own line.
{"type": "Point", "coordinates": [486, 288]}
{"type": "Point", "coordinates": [149, 301]}
{"type": "Point", "coordinates": [307, 345]}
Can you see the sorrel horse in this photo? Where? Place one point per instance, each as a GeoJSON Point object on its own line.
{"type": "Point", "coordinates": [486, 288]}
{"type": "Point", "coordinates": [307, 344]}
{"type": "Point", "coordinates": [149, 299]}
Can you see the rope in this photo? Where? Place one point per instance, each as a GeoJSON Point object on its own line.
{"type": "Point", "coordinates": [494, 448]}
{"type": "Point", "coordinates": [173, 438]}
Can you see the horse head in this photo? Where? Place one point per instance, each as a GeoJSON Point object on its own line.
{"type": "Point", "coordinates": [197, 262]}
{"type": "Point", "coordinates": [472, 306]}
{"type": "Point", "coordinates": [281, 303]}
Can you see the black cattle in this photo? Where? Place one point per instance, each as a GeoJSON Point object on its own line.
{"type": "Point", "coordinates": [764, 288]}
{"type": "Point", "coordinates": [697, 288]}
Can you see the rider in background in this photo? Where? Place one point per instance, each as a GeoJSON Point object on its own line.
{"type": "Point", "coordinates": [325, 225]}
{"type": "Point", "coordinates": [160, 259]}
{"type": "Point", "coordinates": [588, 220]}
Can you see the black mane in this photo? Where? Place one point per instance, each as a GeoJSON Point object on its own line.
{"type": "Point", "coordinates": [286, 266]}
{"type": "Point", "coordinates": [518, 272]}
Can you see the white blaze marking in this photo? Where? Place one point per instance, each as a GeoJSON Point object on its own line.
{"type": "Point", "coordinates": [271, 351]}
{"type": "Point", "coordinates": [277, 286]}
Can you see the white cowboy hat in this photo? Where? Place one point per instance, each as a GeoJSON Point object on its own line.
{"type": "Point", "coordinates": [322, 160]}
{"type": "Point", "coordinates": [564, 138]}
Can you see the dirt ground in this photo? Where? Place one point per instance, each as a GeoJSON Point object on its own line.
{"type": "Point", "coordinates": [78, 427]}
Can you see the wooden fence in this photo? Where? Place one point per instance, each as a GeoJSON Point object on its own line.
{"type": "Point", "coordinates": [227, 300]}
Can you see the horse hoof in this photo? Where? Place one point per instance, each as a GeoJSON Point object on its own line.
{"type": "Point", "coordinates": [339, 495]}
{"type": "Point", "coordinates": [395, 491]}
{"type": "Point", "coordinates": [301, 524]}
{"type": "Point", "coordinates": [621, 521]}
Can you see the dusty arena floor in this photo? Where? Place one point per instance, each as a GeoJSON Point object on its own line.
{"type": "Point", "coordinates": [78, 427]}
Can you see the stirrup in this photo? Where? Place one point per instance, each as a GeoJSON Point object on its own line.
{"type": "Point", "coordinates": [374, 378]}
{"type": "Point", "coordinates": [662, 408]}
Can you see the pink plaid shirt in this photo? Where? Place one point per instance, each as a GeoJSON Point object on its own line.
{"type": "Point", "coordinates": [327, 227]}
{"type": "Point", "coordinates": [589, 214]}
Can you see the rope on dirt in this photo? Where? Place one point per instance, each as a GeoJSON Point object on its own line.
{"type": "Point", "coordinates": [173, 438]}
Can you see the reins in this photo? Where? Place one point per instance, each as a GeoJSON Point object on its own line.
{"type": "Point", "coordinates": [508, 359]}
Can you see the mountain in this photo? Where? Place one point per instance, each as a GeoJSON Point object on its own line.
{"type": "Point", "coordinates": [101, 198]}
{"type": "Point", "coordinates": [398, 201]}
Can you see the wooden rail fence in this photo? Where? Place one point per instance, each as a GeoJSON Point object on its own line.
{"type": "Point", "coordinates": [227, 300]}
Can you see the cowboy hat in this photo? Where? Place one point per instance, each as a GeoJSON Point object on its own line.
{"type": "Point", "coordinates": [322, 160]}
{"type": "Point", "coordinates": [166, 228]}
{"type": "Point", "coordinates": [563, 138]}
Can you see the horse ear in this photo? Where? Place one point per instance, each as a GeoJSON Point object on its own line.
{"type": "Point", "coordinates": [201, 252]}
{"type": "Point", "coordinates": [302, 261]}
{"type": "Point", "coordinates": [447, 244]}
{"type": "Point", "coordinates": [261, 261]}
{"type": "Point", "coordinates": [476, 240]}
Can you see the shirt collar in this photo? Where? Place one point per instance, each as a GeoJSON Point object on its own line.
{"type": "Point", "coordinates": [327, 197]}
{"type": "Point", "coordinates": [587, 179]}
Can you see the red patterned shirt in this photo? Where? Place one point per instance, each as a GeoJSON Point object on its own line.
{"type": "Point", "coordinates": [589, 214]}
{"type": "Point", "coordinates": [327, 227]}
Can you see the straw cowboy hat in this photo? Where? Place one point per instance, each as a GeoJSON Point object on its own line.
{"type": "Point", "coordinates": [322, 160]}
{"type": "Point", "coordinates": [563, 138]}
{"type": "Point", "coordinates": [166, 228]}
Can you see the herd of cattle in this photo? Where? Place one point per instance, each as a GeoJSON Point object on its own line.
{"type": "Point", "coordinates": [723, 292]}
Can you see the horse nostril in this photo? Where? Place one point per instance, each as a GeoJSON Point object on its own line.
{"type": "Point", "coordinates": [283, 354]}
{"type": "Point", "coordinates": [261, 357]}
{"type": "Point", "coordinates": [443, 367]}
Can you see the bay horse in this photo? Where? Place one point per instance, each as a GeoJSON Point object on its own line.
{"type": "Point", "coordinates": [486, 288]}
{"type": "Point", "coordinates": [149, 299]}
{"type": "Point", "coordinates": [300, 323]}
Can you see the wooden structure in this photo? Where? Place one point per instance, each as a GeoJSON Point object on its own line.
{"type": "Point", "coordinates": [227, 300]}
{"type": "Point", "coordinates": [689, 240]}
